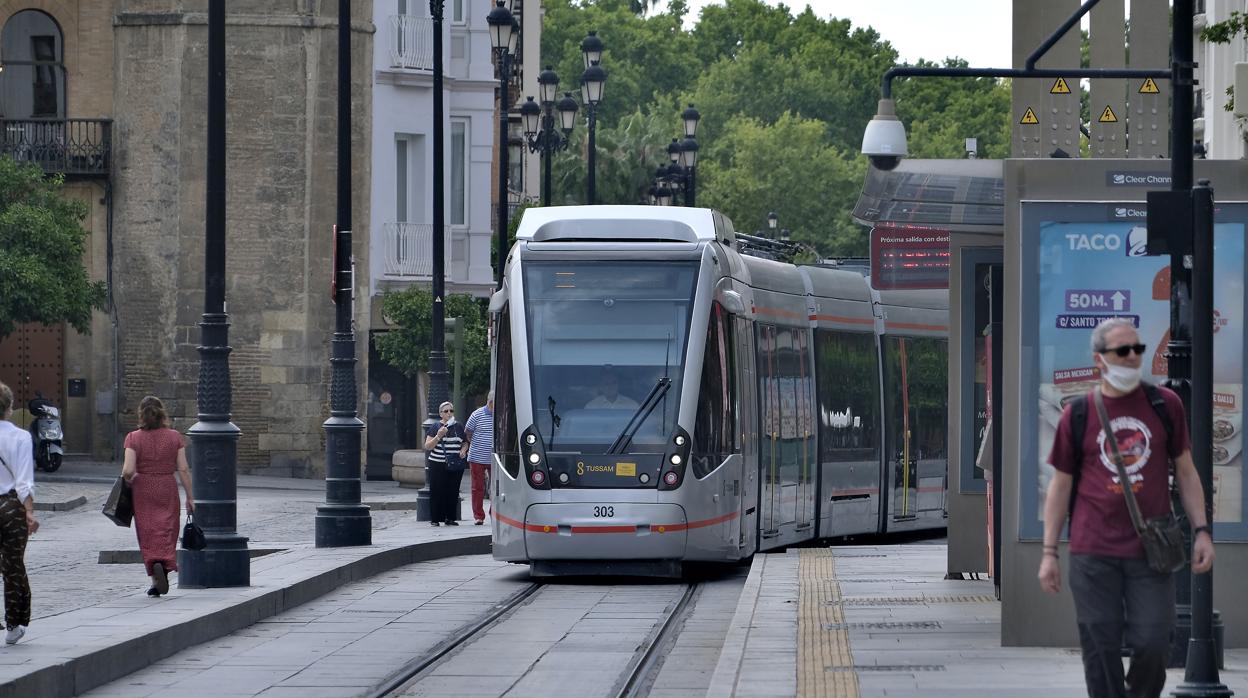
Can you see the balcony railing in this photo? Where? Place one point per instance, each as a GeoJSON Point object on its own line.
{"type": "Point", "coordinates": [73, 147]}
{"type": "Point", "coordinates": [408, 250]}
{"type": "Point", "coordinates": [411, 42]}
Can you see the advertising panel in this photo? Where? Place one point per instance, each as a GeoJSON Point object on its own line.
{"type": "Point", "coordinates": [1085, 263]}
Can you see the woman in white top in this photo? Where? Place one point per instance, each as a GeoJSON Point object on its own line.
{"type": "Point", "coordinates": [17, 517]}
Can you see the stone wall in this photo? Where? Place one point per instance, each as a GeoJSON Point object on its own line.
{"type": "Point", "coordinates": [281, 75]}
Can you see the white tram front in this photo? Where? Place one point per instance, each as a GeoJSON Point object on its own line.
{"type": "Point", "coordinates": [662, 398]}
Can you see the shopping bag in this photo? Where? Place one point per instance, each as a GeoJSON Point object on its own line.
{"type": "Point", "coordinates": [119, 506]}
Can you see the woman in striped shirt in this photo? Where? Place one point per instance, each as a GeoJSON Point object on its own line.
{"type": "Point", "coordinates": [444, 467]}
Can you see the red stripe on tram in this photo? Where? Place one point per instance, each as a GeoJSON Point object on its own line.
{"type": "Point", "coordinates": [655, 528]}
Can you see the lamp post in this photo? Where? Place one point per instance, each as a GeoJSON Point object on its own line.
{"type": "Point", "coordinates": [225, 562]}
{"type": "Point", "coordinates": [502, 37]}
{"type": "Point", "coordinates": [592, 82]}
{"type": "Point", "coordinates": [772, 221]}
{"type": "Point", "coordinates": [689, 152]}
{"type": "Point", "coordinates": [539, 124]}
{"type": "Point", "coordinates": [437, 341]}
{"type": "Point", "coordinates": [1180, 223]}
{"type": "Point", "coordinates": [342, 520]}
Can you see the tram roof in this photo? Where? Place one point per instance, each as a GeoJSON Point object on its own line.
{"type": "Point", "coordinates": [623, 223]}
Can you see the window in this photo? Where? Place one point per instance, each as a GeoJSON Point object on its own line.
{"type": "Point", "coordinates": [457, 11]}
{"type": "Point", "coordinates": [715, 433]}
{"type": "Point", "coordinates": [400, 180]}
{"type": "Point", "coordinates": [506, 440]}
{"type": "Point", "coordinates": [916, 379]}
{"type": "Point", "coordinates": [459, 181]}
{"type": "Point", "coordinates": [848, 400]}
{"type": "Point", "coordinates": [32, 84]}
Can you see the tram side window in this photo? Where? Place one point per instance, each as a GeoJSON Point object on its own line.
{"type": "Point", "coordinates": [916, 377]}
{"type": "Point", "coordinates": [715, 428]}
{"type": "Point", "coordinates": [848, 374]}
{"type": "Point", "coordinates": [505, 438]}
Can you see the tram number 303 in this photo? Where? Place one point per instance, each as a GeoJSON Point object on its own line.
{"type": "Point", "coordinates": [604, 512]}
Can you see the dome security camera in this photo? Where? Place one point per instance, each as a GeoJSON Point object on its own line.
{"type": "Point", "coordinates": [884, 141]}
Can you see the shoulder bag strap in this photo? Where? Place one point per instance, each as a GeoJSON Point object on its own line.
{"type": "Point", "coordinates": [11, 473]}
{"type": "Point", "coordinates": [1132, 506]}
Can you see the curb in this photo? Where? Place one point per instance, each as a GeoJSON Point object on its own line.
{"type": "Point", "coordinates": [728, 668]}
{"type": "Point", "coordinates": [65, 505]}
{"type": "Point", "coordinates": [72, 676]}
{"type": "Point", "coordinates": [135, 557]}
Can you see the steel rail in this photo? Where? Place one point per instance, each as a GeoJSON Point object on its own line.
{"type": "Point", "coordinates": [647, 658]}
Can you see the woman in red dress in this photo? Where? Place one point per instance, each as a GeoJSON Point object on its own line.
{"type": "Point", "coordinates": [153, 453]}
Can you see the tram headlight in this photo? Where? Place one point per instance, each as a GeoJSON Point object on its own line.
{"type": "Point", "coordinates": [563, 478]}
{"type": "Point", "coordinates": [671, 478]}
{"type": "Point", "coordinates": [680, 440]}
{"type": "Point", "coordinates": [676, 459]}
{"type": "Point", "coordinates": [644, 477]}
{"type": "Point", "coordinates": [534, 458]}
{"type": "Point", "coordinates": [672, 472]}
{"type": "Point", "coordinates": [538, 477]}
{"type": "Point", "coordinates": [530, 439]}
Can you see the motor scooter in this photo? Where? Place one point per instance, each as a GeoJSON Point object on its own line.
{"type": "Point", "coordinates": [46, 433]}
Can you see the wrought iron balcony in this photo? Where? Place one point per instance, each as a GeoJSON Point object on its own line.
{"type": "Point", "coordinates": [411, 42]}
{"type": "Point", "coordinates": [407, 251]}
{"type": "Point", "coordinates": [72, 147]}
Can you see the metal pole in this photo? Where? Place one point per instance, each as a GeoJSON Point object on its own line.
{"type": "Point", "coordinates": [690, 186]}
{"type": "Point", "coordinates": [504, 162]}
{"type": "Point", "coordinates": [437, 346]}
{"type": "Point", "coordinates": [1201, 675]}
{"type": "Point", "coordinates": [591, 190]}
{"type": "Point", "coordinates": [342, 520]}
{"type": "Point", "coordinates": [547, 152]}
{"type": "Point", "coordinates": [225, 562]}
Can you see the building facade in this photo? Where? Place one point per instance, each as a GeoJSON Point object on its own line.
{"type": "Point", "coordinates": [1218, 130]}
{"type": "Point", "coordinates": [113, 94]}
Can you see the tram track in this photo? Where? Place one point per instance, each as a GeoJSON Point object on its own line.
{"type": "Point", "coordinates": [642, 671]}
{"type": "Point", "coordinates": [411, 672]}
{"type": "Point", "coordinates": [634, 681]}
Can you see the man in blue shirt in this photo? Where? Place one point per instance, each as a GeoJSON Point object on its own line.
{"type": "Point", "coordinates": [477, 448]}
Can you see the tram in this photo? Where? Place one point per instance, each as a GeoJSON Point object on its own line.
{"type": "Point", "coordinates": [663, 398]}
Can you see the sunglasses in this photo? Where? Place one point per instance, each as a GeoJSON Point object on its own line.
{"type": "Point", "coordinates": [1126, 349]}
{"type": "Point", "coordinates": [453, 411]}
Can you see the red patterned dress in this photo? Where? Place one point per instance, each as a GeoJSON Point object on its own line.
{"type": "Point", "coordinates": [155, 491]}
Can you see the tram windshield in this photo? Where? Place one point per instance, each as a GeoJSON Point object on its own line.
{"type": "Point", "coordinates": [607, 349]}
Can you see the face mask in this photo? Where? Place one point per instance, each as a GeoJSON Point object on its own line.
{"type": "Point", "coordinates": [1123, 378]}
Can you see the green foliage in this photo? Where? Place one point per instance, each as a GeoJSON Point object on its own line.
{"type": "Point", "coordinates": [784, 100]}
{"type": "Point", "coordinates": [407, 348]}
{"type": "Point", "coordinates": [790, 168]}
{"type": "Point", "coordinates": [42, 278]}
{"type": "Point", "coordinates": [1229, 28]}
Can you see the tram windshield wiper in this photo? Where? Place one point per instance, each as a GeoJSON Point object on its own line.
{"type": "Point", "coordinates": [639, 416]}
{"type": "Point", "coordinates": [554, 420]}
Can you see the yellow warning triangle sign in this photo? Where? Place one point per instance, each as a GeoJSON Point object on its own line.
{"type": "Point", "coordinates": [1059, 87]}
{"type": "Point", "coordinates": [1029, 117]}
{"type": "Point", "coordinates": [1149, 87]}
{"type": "Point", "coordinates": [1108, 116]}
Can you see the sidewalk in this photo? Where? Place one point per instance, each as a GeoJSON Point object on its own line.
{"type": "Point", "coordinates": [92, 622]}
{"type": "Point", "coordinates": [883, 621]}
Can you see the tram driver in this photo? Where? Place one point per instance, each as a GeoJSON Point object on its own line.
{"type": "Point", "coordinates": [609, 396]}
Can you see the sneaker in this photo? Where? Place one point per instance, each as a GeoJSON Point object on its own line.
{"type": "Point", "coordinates": [14, 634]}
{"type": "Point", "coordinates": [479, 522]}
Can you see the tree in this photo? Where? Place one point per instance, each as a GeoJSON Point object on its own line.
{"type": "Point", "coordinates": [407, 348]}
{"type": "Point", "coordinates": [628, 155]}
{"type": "Point", "coordinates": [788, 167]}
{"type": "Point", "coordinates": [42, 277]}
{"type": "Point", "coordinates": [940, 113]}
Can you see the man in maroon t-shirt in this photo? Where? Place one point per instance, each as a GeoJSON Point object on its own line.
{"type": "Point", "coordinates": [1114, 588]}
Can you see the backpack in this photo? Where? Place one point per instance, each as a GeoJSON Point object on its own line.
{"type": "Point", "coordinates": [1079, 423]}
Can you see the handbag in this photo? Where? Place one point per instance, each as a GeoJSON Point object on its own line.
{"type": "Point", "coordinates": [1162, 538]}
{"type": "Point", "coordinates": [119, 506]}
{"type": "Point", "coordinates": [192, 535]}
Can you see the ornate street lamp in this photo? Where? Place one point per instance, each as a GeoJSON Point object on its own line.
{"type": "Point", "coordinates": [342, 520]}
{"type": "Point", "coordinates": [689, 162]}
{"type": "Point", "coordinates": [225, 562]}
{"type": "Point", "coordinates": [539, 124]}
{"type": "Point", "coordinates": [592, 82]}
{"type": "Point", "coordinates": [504, 38]}
{"type": "Point", "coordinates": [438, 389]}
{"type": "Point", "coordinates": [772, 221]}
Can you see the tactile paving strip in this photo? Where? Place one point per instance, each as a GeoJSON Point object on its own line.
{"type": "Point", "coordinates": [911, 600]}
{"type": "Point", "coordinates": [825, 666]}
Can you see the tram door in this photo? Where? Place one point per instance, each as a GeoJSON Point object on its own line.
{"type": "Point", "coordinates": [748, 418]}
{"type": "Point", "coordinates": [915, 388]}
{"type": "Point", "coordinates": [786, 443]}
